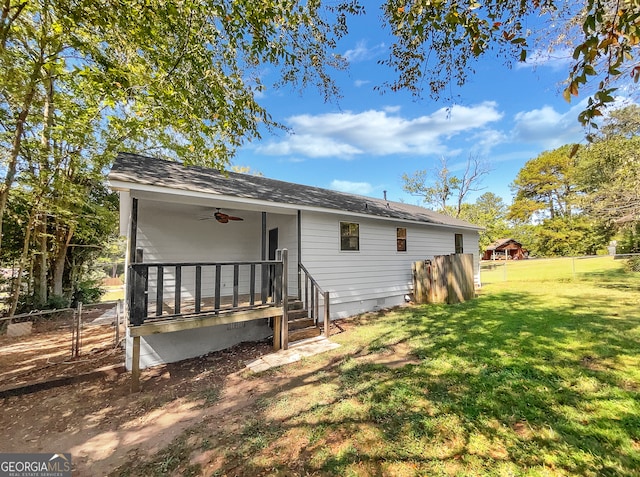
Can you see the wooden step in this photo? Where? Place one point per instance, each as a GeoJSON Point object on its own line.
{"type": "Point", "coordinates": [304, 333]}
{"type": "Point", "coordinates": [300, 323]}
{"type": "Point", "coordinates": [297, 314]}
{"type": "Point", "coordinates": [295, 305]}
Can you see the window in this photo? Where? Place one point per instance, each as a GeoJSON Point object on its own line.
{"type": "Point", "coordinates": [458, 240]}
{"type": "Point", "coordinates": [349, 236]}
{"type": "Point", "coordinates": [401, 238]}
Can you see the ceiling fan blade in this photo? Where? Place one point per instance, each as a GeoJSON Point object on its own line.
{"type": "Point", "coordinates": [231, 217]}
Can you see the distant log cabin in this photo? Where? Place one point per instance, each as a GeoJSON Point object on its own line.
{"type": "Point", "coordinates": [505, 249]}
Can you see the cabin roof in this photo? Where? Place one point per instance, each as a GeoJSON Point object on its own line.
{"type": "Point", "coordinates": [135, 169]}
{"type": "Point", "coordinates": [501, 243]}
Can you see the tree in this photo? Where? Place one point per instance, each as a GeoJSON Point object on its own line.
{"type": "Point", "coordinates": [80, 80]}
{"type": "Point", "coordinates": [548, 206]}
{"type": "Point", "coordinates": [570, 236]}
{"type": "Point", "coordinates": [437, 42]}
{"type": "Point", "coordinates": [546, 186]}
{"type": "Point", "coordinates": [488, 211]}
{"type": "Point", "coordinates": [177, 78]}
{"type": "Point", "coordinates": [609, 168]}
{"type": "Point", "coordinates": [621, 122]}
{"type": "Point", "coordinates": [444, 186]}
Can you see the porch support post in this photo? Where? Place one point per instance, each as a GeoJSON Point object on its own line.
{"type": "Point", "coordinates": [327, 313]}
{"type": "Point", "coordinates": [277, 333]}
{"type": "Point", "coordinates": [133, 232]}
{"type": "Point", "coordinates": [135, 365]}
{"type": "Point", "coordinates": [299, 254]}
{"type": "Point", "coordinates": [263, 251]}
{"type": "Point", "coordinates": [263, 268]}
{"type": "Point", "coordinates": [285, 299]}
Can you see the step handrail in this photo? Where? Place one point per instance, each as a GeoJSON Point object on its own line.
{"type": "Point", "coordinates": [311, 298]}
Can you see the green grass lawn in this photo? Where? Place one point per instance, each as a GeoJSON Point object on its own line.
{"type": "Point", "coordinates": [553, 269]}
{"type": "Point", "coordinates": [538, 376]}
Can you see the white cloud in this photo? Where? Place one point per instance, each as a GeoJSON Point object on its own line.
{"type": "Point", "coordinates": [361, 188]}
{"type": "Point", "coordinates": [381, 133]}
{"type": "Point", "coordinates": [556, 60]}
{"type": "Point", "coordinates": [310, 146]}
{"type": "Point", "coordinates": [360, 83]}
{"type": "Point", "coordinates": [362, 52]}
{"type": "Point", "coordinates": [549, 128]}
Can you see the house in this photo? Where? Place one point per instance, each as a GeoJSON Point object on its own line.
{"type": "Point", "coordinates": [504, 249]}
{"type": "Point", "coordinates": [201, 240]}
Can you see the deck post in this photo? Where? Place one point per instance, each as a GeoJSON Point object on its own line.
{"type": "Point", "coordinates": [327, 314]}
{"type": "Point", "coordinates": [285, 299]}
{"type": "Point", "coordinates": [135, 365]}
{"type": "Point", "coordinates": [277, 333]}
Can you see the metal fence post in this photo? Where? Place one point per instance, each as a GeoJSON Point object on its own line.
{"type": "Point", "coordinates": [78, 327]}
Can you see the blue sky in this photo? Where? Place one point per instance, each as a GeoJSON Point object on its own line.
{"type": "Point", "coordinates": [366, 141]}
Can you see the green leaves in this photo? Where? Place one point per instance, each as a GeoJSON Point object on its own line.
{"type": "Point", "coordinates": [545, 186]}
{"type": "Point", "coordinates": [81, 80]}
{"type": "Point", "coordinates": [437, 43]}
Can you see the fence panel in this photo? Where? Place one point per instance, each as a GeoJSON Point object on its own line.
{"type": "Point", "coordinates": [444, 279]}
{"type": "Point", "coordinates": [460, 285]}
{"type": "Point", "coordinates": [60, 343]}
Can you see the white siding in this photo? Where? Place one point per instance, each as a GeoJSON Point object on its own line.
{"type": "Point", "coordinates": [175, 233]}
{"type": "Point", "coordinates": [377, 275]}
{"type": "Point", "coordinates": [169, 232]}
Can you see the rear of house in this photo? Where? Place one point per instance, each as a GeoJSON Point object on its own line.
{"type": "Point", "coordinates": [358, 249]}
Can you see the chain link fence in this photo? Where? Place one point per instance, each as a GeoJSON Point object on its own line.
{"type": "Point", "coordinates": [49, 344]}
{"type": "Point", "coordinates": [543, 269]}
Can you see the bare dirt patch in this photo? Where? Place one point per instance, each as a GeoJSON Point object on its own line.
{"type": "Point", "coordinates": [109, 431]}
{"type": "Point", "coordinates": [103, 425]}
{"type": "Point", "coordinates": [46, 354]}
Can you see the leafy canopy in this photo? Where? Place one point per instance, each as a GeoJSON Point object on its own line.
{"type": "Point", "coordinates": [546, 186]}
{"type": "Point", "coordinates": [438, 42]}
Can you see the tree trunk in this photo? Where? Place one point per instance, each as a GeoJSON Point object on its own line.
{"type": "Point", "coordinates": [40, 276]}
{"type": "Point", "coordinates": [12, 163]}
{"type": "Point", "coordinates": [57, 266]}
{"type": "Point", "coordinates": [17, 284]}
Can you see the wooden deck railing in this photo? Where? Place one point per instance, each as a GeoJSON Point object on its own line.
{"type": "Point", "coordinates": [309, 293]}
{"type": "Point", "coordinates": [168, 290]}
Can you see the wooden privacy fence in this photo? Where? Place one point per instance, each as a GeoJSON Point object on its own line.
{"type": "Point", "coordinates": [444, 279]}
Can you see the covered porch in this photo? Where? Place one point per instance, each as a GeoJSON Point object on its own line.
{"type": "Point", "coordinates": [181, 282]}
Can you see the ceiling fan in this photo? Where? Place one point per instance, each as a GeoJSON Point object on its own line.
{"type": "Point", "coordinates": [222, 217]}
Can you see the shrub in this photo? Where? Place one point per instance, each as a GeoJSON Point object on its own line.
{"type": "Point", "coordinates": [87, 291]}
{"type": "Point", "coordinates": [633, 264]}
{"type": "Point", "coordinates": [55, 302]}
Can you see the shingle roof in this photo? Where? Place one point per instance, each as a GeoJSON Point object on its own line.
{"type": "Point", "coordinates": [136, 169]}
{"type": "Point", "coordinates": [500, 242]}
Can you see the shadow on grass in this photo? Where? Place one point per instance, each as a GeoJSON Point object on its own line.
{"type": "Point", "coordinates": [508, 383]}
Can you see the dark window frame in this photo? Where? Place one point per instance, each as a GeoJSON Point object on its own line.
{"type": "Point", "coordinates": [458, 241]}
{"type": "Point", "coordinates": [349, 237]}
{"type": "Point", "coordinates": [401, 240]}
